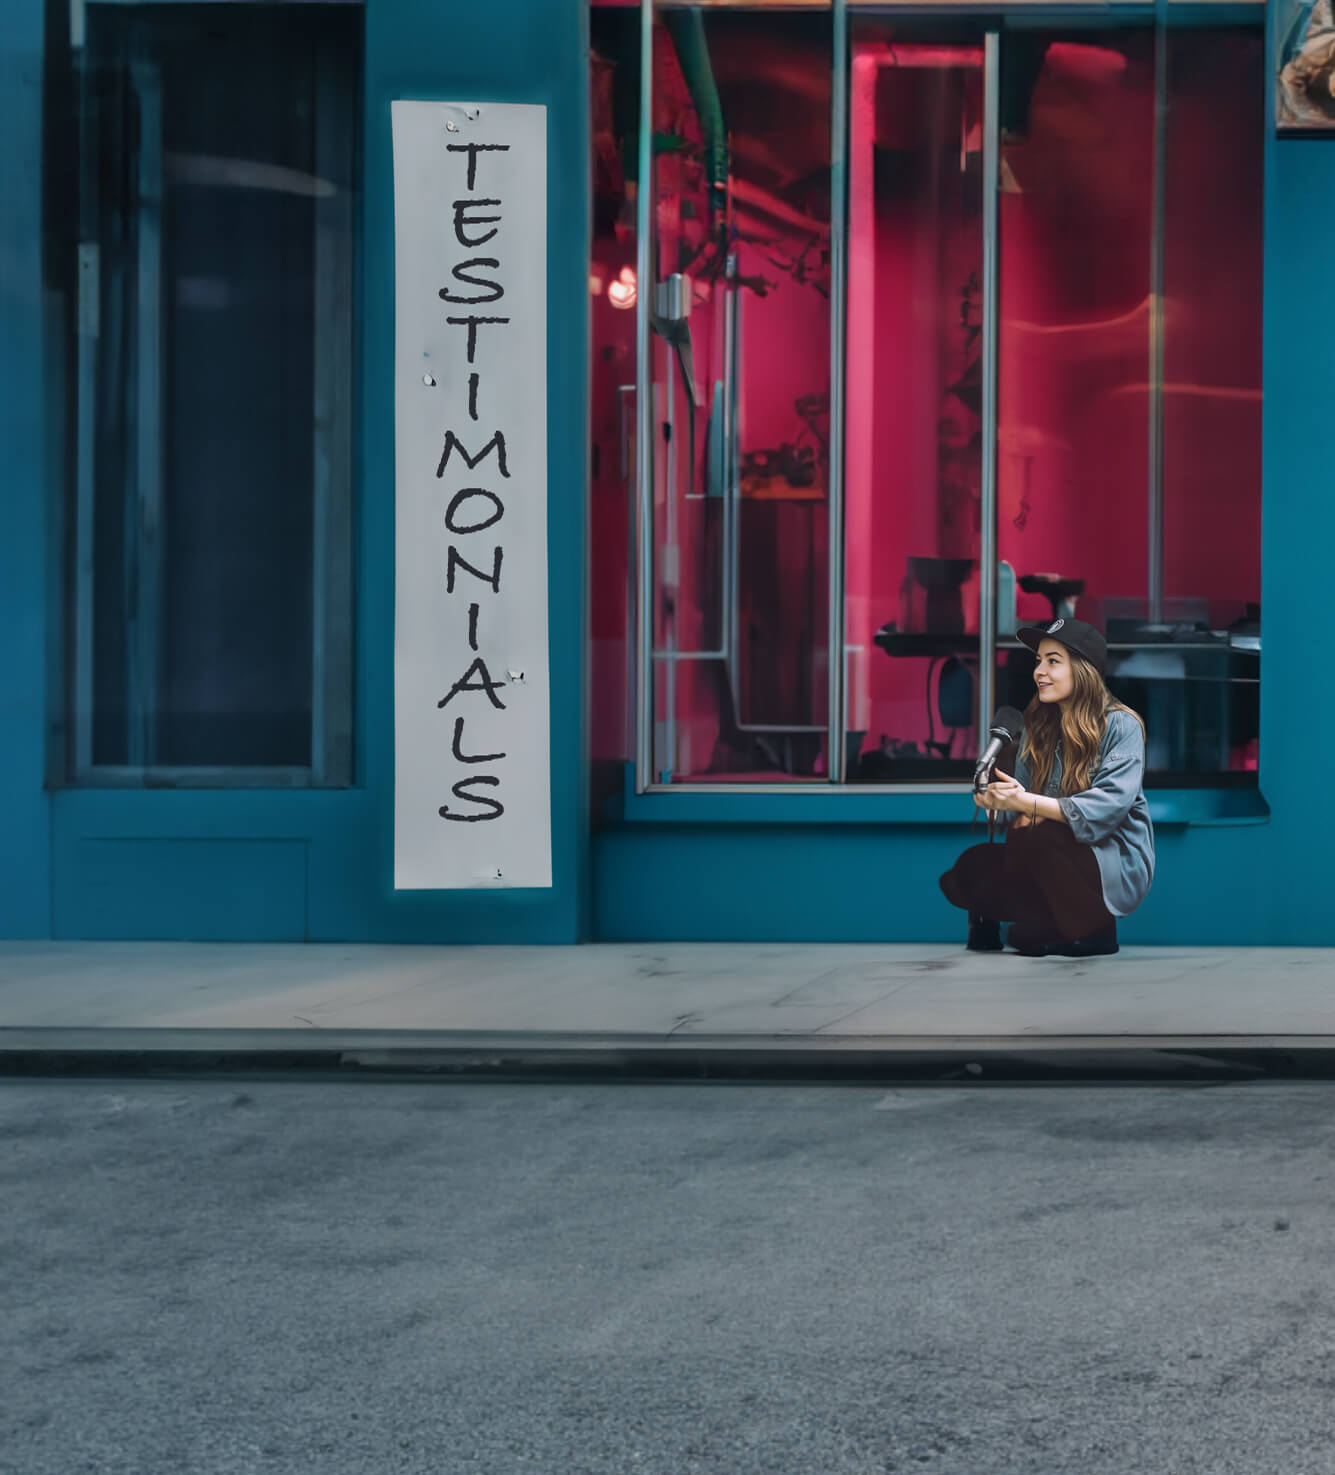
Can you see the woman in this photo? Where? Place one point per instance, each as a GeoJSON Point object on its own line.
{"type": "Point", "coordinates": [1079, 849]}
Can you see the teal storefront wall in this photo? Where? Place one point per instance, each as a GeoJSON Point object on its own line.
{"type": "Point", "coordinates": [264, 865]}
{"type": "Point", "coordinates": [1223, 883]}
{"type": "Point", "coordinates": [25, 849]}
{"type": "Point", "coordinates": [293, 865]}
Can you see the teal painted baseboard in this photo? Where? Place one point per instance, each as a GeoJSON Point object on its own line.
{"type": "Point", "coordinates": [186, 891]}
{"type": "Point", "coordinates": [163, 865]}
{"type": "Point", "coordinates": [878, 883]}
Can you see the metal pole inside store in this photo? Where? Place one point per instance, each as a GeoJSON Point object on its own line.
{"type": "Point", "coordinates": [987, 548]}
{"type": "Point", "coordinates": [644, 409]}
{"type": "Point", "coordinates": [838, 306]}
{"type": "Point", "coordinates": [1154, 550]}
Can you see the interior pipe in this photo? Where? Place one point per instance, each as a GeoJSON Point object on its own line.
{"type": "Point", "coordinates": [687, 30]}
{"type": "Point", "coordinates": [618, 36]}
{"type": "Point", "coordinates": [757, 201]}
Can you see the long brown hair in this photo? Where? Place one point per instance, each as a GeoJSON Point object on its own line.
{"type": "Point", "coordinates": [1080, 722]}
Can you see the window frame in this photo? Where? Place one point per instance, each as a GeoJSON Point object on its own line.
{"type": "Point", "coordinates": [640, 779]}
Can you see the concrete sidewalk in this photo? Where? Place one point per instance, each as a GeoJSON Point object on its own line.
{"type": "Point", "coordinates": [619, 1003]}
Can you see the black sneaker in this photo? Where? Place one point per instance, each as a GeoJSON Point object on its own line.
{"type": "Point", "coordinates": [984, 935]}
{"type": "Point", "coordinates": [1027, 944]}
{"type": "Point", "coordinates": [1096, 945]}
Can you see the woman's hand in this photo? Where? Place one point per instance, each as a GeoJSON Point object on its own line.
{"type": "Point", "coordinates": [1004, 794]}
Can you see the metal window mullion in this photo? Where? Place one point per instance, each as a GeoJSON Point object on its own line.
{"type": "Point", "coordinates": [732, 516]}
{"type": "Point", "coordinates": [145, 523]}
{"type": "Point", "coordinates": [88, 329]}
{"type": "Point", "coordinates": [644, 408]}
{"type": "Point", "coordinates": [85, 500]}
{"type": "Point", "coordinates": [1155, 400]}
{"type": "Point", "coordinates": [331, 565]}
{"type": "Point", "coordinates": [215, 776]}
{"type": "Point", "coordinates": [991, 303]}
{"type": "Point", "coordinates": [667, 760]}
{"type": "Point", "coordinates": [835, 634]}
{"type": "Point", "coordinates": [626, 471]}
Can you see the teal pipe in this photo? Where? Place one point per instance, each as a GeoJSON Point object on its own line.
{"type": "Point", "coordinates": [687, 30]}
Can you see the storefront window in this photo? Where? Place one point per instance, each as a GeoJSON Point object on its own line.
{"type": "Point", "coordinates": [1203, 710]}
{"type": "Point", "coordinates": [740, 365]}
{"type": "Point", "coordinates": [1032, 253]}
{"type": "Point", "coordinates": [210, 510]}
{"type": "Point", "coordinates": [1076, 211]}
{"type": "Point", "coordinates": [914, 434]}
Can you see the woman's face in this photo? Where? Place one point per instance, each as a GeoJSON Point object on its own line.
{"type": "Point", "coordinates": [1052, 672]}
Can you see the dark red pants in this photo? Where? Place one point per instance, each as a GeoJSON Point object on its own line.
{"type": "Point", "coordinates": [1042, 878]}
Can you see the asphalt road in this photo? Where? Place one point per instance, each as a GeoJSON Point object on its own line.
{"type": "Point", "coordinates": [373, 1278]}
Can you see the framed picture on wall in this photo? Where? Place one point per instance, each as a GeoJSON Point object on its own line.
{"type": "Point", "coordinates": [1304, 52]}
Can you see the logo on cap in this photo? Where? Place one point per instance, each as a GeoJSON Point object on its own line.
{"type": "Point", "coordinates": [1055, 626]}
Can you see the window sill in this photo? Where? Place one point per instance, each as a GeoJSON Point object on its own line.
{"type": "Point", "coordinates": [857, 805]}
{"type": "Point", "coordinates": [256, 777]}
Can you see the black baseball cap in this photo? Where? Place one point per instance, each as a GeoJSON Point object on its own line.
{"type": "Point", "coordinates": [1075, 635]}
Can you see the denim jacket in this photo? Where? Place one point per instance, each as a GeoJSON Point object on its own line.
{"type": "Point", "coordinates": [1111, 815]}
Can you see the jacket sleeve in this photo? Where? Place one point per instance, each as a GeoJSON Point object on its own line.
{"type": "Point", "coordinates": [1099, 810]}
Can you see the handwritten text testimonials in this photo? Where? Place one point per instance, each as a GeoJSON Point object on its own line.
{"type": "Point", "coordinates": [473, 797]}
{"type": "Point", "coordinates": [474, 515]}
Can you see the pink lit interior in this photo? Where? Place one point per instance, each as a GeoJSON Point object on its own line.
{"type": "Point", "coordinates": [1073, 449]}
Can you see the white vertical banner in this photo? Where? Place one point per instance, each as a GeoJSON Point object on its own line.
{"type": "Point", "coordinates": [472, 762]}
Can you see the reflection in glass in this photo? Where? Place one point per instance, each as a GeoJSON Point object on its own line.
{"type": "Point", "coordinates": [1076, 221]}
{"type": "Point", "coordinates": [914, 403]}
{"type": "Point", "coordinates": [1129, 479]}
{"type": "Point", "coordinates": [740, 370]}
{"type": "Point", "coordinates": [1203, 698]}
{"type": "Point", "coordinates": [214, 394]}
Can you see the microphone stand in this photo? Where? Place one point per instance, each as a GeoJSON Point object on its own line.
{"type": "Point", "coordinates": [980, 782]}
{"type": "Point", "coordinates": [1002, 733]}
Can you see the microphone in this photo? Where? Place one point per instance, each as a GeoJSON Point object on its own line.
{"type": "Point", "coordinates": [1007, 727]}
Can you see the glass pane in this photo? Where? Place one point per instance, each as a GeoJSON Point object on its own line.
{"type": "Point", "coordinates": [1075, 217]}
{"type": "Point", "coordinates": [741, 384]}
{"type": "Point", "coordinates": [914, 426]}
{"type": "Point", "coordinates": [223, 310]}
{"type": "Point", "coordinates": [1201, 696]}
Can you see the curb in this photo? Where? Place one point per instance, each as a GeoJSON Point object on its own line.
{"type": "Point", "coordinates": [480, 1056]}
